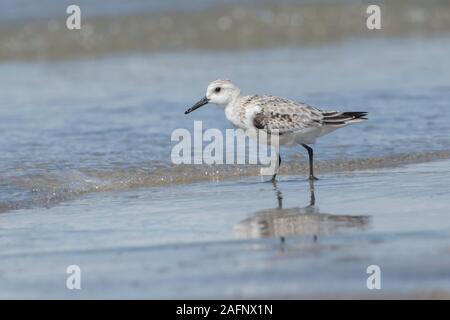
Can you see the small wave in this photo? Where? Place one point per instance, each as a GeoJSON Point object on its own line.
{"type": "Point", "coordinates": [50, 188]}
{"type": "Point", "coordinates": [215, 28]}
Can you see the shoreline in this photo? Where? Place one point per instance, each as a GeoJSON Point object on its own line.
{"type": "Point", "coordinates": [130, 179]}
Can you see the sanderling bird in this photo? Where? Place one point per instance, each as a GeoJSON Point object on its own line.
{"type": "Point", "coordinates": [295, 123]}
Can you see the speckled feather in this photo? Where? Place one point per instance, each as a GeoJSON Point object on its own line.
{"type": "Point", "coordinates": [281, 114]}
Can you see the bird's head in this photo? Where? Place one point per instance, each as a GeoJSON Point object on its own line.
{"type": "Point", "coordinates": [219, 92]}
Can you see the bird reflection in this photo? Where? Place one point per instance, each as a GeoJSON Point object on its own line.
{"type": "Point", "coordinates": [282, 222]}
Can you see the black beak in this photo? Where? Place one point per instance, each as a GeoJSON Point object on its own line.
{"type": "Point", "coordinates": [202, 102]}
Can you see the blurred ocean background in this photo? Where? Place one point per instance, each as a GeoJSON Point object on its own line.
{"type": "Point", "coordinates": [36, 30]}
{"type": "Point", "coordinates": [88, 114]}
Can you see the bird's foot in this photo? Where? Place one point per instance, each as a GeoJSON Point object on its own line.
{"type": "Point", "coordinates": [313, 178]}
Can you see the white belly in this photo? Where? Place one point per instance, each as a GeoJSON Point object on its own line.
{"type": "Point", "coordinates": [309, 136]}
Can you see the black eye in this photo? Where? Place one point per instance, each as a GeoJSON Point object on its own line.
{"type": "Point", "coordinates": [217, 89]}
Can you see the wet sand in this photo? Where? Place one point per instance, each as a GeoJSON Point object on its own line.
{"type": "Point", "coordinates": [224, 239]}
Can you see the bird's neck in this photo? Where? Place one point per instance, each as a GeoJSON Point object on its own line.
{"type": "Point", "coordinates": [233, 103]}
{"type": "Point", "coordinates": [232, 111]}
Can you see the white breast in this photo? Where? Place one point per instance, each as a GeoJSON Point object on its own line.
{"type": "Point", "coordinates": [233, 116]}
{"type": "Point", "coordinates": [241, 117]}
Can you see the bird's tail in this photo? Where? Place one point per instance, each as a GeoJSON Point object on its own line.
{"type": "Point", "coordinates": [341, 118]}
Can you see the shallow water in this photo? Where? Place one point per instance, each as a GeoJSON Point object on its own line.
{"type": "Point", "coordinates": [86, 176]}
{"type": "Point", "coordinates": [217, 234]}
{"type": "Point", "coordinates": [74, 127]}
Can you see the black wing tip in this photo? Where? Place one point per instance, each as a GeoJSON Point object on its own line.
{"type": "Point", "coordinates": [356, 114]}
{"type": "Point", "coordinates": [338, 118]}
{"type": "Point", "coordinates": [351, 115]}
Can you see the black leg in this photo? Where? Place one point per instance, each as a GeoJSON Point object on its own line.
{"type": "Point", "coordinates": [279, 195]}
{"type": "Point", "coordinates": [311, 162]}
{"type": "Point", "coordinates": [312, 198]}
{"type": "Point", "coordinates": [279, 164]}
